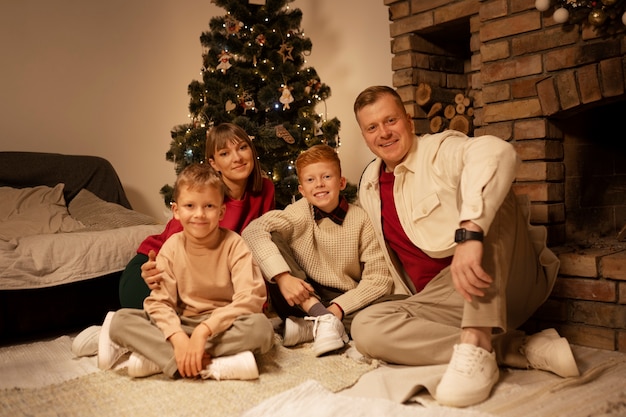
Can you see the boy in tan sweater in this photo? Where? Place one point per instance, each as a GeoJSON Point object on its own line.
{"type": "Point", "coordinates": [319, 255]}
{"type": "Point", "coordinates": [206, 318]}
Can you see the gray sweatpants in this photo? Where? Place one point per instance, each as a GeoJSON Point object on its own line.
{"type": "Point", "coordinates": [133, 329]}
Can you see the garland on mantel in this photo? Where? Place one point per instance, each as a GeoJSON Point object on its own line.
{"type": "Point", "coordinates": [607, 16]}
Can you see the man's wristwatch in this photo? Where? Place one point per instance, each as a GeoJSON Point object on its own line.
{"type": "Point", "coordinates": [461, 235]}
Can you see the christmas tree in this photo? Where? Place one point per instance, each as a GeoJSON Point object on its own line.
{"type": "Point", "coordinates": [254, 74]}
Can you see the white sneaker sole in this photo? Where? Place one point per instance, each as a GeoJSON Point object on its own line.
{"type": "Point", "coordinates": [86, 342]}
{"type": "Point", "coordinates": [328, 346]}
{"type": "Point", "coordinates": [141, 367]}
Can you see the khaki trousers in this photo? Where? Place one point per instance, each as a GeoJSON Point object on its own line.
{"type": "Point", "coordinates": [423, 328]}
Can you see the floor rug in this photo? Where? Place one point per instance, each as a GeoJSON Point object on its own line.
{"type": "Point", "coordinates": [33, 365]}
{"type": "Point", "coordinates": [113, 393]}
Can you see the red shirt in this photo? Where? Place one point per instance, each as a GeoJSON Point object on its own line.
{"type": "Point", "coordinates": [238, 214]}
{"type": "Point", "coordinates": [420, 267]}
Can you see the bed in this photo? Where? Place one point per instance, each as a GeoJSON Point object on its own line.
{"type": "Point", "coordinates": [67, 230]}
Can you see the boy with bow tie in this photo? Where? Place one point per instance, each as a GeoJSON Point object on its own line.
{"type": "Point", "coordinates": [320, 256]}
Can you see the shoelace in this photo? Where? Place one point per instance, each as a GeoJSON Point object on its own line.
{"type": "Point", "coordinates": [464, 360]}
{"type": "Point", "coordinates": [215, 370]}
{"type": "Point", "coordinates": [315, 321]}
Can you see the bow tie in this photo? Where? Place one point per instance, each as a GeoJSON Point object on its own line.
{"type": "Point", "coordinates": [338, 215]}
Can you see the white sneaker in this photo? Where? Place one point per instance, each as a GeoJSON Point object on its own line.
{"type": "Point", "coordinates": [469, 378]}
{"type": "Point", "coordinates": [109, 352]}
{"type": "Point", "coordinates": [548, 351]}
{"type": "Point", "coordinates": [297, 330]}
{"type": "Point", "coordinates": [240, 366]}
{"type": "Point", "coordinates": [86, 342]}
{"type": "Point", "coordinates": [139, 366]}
{"type": "Point", "coordinates": [328, 334]}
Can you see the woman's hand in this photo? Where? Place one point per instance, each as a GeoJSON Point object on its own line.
{"type": "Point", "coordinates": [149, 272]}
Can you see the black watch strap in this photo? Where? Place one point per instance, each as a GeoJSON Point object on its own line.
{"type": "Point", "coordinates": [462, 235]}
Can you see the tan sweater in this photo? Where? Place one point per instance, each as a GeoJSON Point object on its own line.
{"type": "Point", "coordinates": [347, 257]}
{"type": "Point", "coordinates": [224, 281]}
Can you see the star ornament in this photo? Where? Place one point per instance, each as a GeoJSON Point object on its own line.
{"type": "Point", "coordinates": [285, 52]}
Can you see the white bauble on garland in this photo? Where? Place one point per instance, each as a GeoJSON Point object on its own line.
{"type": "Point", "coordinates": [542, 5]}
{"type": "Point", "coordinates": [560, 15]}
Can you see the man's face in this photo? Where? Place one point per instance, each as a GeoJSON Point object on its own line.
{"type": "Point", "coordinates": [387, 130]}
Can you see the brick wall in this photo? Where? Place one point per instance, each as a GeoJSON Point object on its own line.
{"type": "Point", "coordinates": [526, 74]}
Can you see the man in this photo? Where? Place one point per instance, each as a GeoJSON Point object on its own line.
{"type": "Point", "coordinates": [459, 244]}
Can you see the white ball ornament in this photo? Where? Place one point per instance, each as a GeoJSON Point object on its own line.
{"type": "Point", "coordinates": [542, 5]}
{"type": "Point", "coordinates": [624, 18]}
{"type": "Point", "coordinates": [560, 15]}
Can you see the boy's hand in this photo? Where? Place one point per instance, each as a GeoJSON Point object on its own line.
{"type": "Point", "coordinates": [180, 342]}
{"type": "Point", "coordinates": [189, 351]}
{"type": "Point", "coordinates": [149, 272]}
{"type": "Point", "coordinates": [197, 359]}
{"type": "Point", "coordinates": [295, 290]}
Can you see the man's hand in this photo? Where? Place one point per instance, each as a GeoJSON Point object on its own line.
{"type": "Point", "coordinates": [149, 272]}
{"type": "Point", "coordinates": [468, 275]}
{"type": "Point", "coordinates": [295, 290]}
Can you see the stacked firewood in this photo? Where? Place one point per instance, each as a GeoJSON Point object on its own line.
{"type": "Point", "coordinates": [445, 108]}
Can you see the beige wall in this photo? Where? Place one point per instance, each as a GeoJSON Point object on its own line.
{"type": "Point", "coordinates": [110, 78]}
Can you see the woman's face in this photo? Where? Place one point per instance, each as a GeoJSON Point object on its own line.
{"type": "Point", "coordinates": [235, 162]}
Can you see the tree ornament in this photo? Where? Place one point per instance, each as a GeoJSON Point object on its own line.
{"type": "Point", "coordinates": [233, 26]}
{"type": "Point", "coordinates": [284, 134]}
{"type": "Point", "coordinates": [312, 86]}
{"type": "Point", "coordinates": [597, 17]}
{"type": "Point", "coordinates": [286, 98]}
{"type": "Point", "coordinates": [230, 106]}
{"type": "Point", "coordinates": [247, 102]}
{"type": "Point", "coordinates": [285, 52]}
{"type": "Point", "coordinates": [224, 64]}
{"type": "Point", "coordinates": [260, 39]}
{"type": "Point", "coordinates": [318, 128]}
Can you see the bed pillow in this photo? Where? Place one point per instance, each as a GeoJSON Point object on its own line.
{"type": "Point", "coordinates": [97, 214]}
{"type": "Point", "coordinates": [34, 211]}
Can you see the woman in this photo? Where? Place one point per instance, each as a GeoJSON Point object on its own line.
{"type": "Point", "coordinates": [230, 152]}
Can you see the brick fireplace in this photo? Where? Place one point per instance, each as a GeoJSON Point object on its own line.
{"type": "Point", "coordinates": [557, 93]}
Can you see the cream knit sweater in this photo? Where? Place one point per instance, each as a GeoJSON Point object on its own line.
{"type": "Point", "coordinates": [347, 257]}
